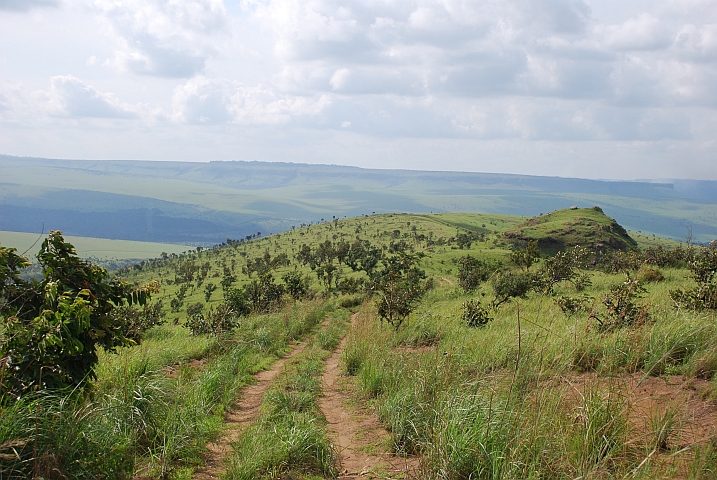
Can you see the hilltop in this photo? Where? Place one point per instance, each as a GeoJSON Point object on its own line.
{"type": "Point", "coordinates": [561, 229]}
{"type": "Point", "coordinates": [268, 356]}
{"type": "Point", "coordinates": [203, 203]}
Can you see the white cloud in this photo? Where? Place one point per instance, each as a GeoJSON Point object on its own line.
{"type": "Point", "coordinates": [644, 32]}
{"type": "Point", "coordinates": [27, 5]}
{"type": "Point", "coordinates": [534, 73]}
{"type": "Point", "coordinates": [69, 96]}
{"type": "Point", "coordinates": [205, 101]}
{"type": "Point", "coordinates": [164, 38]}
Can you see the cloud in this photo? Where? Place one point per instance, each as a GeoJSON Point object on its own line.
{"type": "Point", "coordinates": [205, 101]}
{"type": "Point", "coordinates": [71, 97]}
{"type": "Point", "coordinates": [163, 38]}
{"type": "Point", "coordinates": [644, 32]}
{"type": "Point", "coordinates": [27, 5]}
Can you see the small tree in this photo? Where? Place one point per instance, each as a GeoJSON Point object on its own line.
{"type": "Point", "coordinates": [562, 266]}
{"type": "Point", "coordinates": [297, 284]}
{"type": "Point", "coordinates": [54, 326]}
{"type": "Point", "coordinates": [471, 272]}
{"type": "Point", "coordinates": [526, 257]}
{"type": "Point", "coordinates": [475, 314]}
{"type": "Point", "coordinates": [399, 285]}
{"type": "Point", "coordinates": [512, 285]}
{"type": "Point", "coordinates": [703, 266]}
{"type": "Point", "coordinates": [621, 309]}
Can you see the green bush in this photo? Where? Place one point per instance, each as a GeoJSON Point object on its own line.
{"type": "Point", "coordinates": [54, 327]}
{"type": "Point", "coordinates": [474, 314]}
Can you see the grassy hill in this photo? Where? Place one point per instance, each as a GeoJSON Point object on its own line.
{"type": "Point", "coordinates": [587, 227]}
{"type": "Point", "coordinates": [205, 203]}
{"type": "Point", "coordinates": [548, 387]}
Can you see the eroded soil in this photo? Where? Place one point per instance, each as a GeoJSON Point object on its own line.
{"type": "Point", "coordinates": [359, 438]}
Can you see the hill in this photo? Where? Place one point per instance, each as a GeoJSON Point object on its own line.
{"type": "Point", "coordinates": [587, 227]}
{"type": "Point", "coordinates": [597, 376]}
{"type": "Point", "coordinates": [206, 203]}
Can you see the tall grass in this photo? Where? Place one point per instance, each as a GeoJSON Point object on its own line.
{"type": "Point", "coordinates": [290, 436]}
{"type": "Point", "coordinates": [151, 410]}
{"type": "Point", "coordinates": [545, 401]}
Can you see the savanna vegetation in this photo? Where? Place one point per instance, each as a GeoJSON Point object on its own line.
{"type": "Point", "coordinates": [484, 349]}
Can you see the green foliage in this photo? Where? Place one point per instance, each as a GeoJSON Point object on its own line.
{"type": "Point", "coordinates": [209, 288]}
{"type": "Point", "coordinates": [509, 285]}
{"type": "Point", "coordinates": [471, 272]}
{"type": "Point", "coordinates": [649, 275]}
{"type": "Point", "coordinates": [561, 267]}
{"type": "Point", "coordinates": [621, 309]}
{"type": "Point", "coordinates": [572, 305]}
{"type": "Point", "coordinates": [264, 294]}
{"type": "Point", "coordinates": [475, 314]}
{"type": "Point", "coordinates": [525, 257]}
{"type": "Point", "coordinates": [703, 268]}
{"type": "Point", "coordinates": [265, 264]}
{"type": "Point", "coordinates": [350, 285]}
{"type": "Point", "coordinates": [54, 327]}
{"type": "Point", "coordinates": [217, 321]}
{"type": "Point", "coordinates": [297, 284]}
{"type": "Point", "coordinates": [363, 256]}
{"type": "Point", "coordinates": [137, 321]}
{"type": "Point", "coordinates": [399, 286]}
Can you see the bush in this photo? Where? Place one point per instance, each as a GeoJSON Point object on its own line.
{"type": "Point", "coordinates": [622, 311]}
{"type": "Point", "coordinates": [649, 275]}
{"type": "Point", "coordinates": [136, 322]}
{"type": "Point", "coordinates": [216, 322]}
{"type": "Point", "coordinates": [571, 305]}
{"type": "Point", "coordinates": [474, 314]}
{"type": "Point", "coordinates": [54, 327]}
{"type": "Point", "coordinates": [562, 266]}
{"type": "Point", "coordinates": [297, 284]}
{"type": "Point", "coordinates": [511, 285]}
{"type": "Point", "coordinates": [471, 272]}
{"type": "Point", "coordinates": [704, 271]}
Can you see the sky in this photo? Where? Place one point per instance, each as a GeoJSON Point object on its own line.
{"type": "Point", "coordinates": [610, 89]}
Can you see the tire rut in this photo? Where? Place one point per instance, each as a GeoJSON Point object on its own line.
{"type": "Point", "coordinates": [243, 413]}
{"type": "Point", "coordinates": [356, 432]}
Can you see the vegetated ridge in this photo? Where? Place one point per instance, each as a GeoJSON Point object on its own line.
{"type": "Point", "coordinates": [482, 359]}
{"type": "Point", "coordinates": [585, 227]}
{"type": "Point", "coordinates": [204, 203]}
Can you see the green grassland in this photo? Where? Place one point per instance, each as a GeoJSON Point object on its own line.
{"type": "Point", "coordinates": [535, 393]}
{"type": "Point", "coordinates": [569, 228]}
{"type": "Point", "coordinates": [205, 203]}
{"type": "Point", "coordinates": [100, 250]}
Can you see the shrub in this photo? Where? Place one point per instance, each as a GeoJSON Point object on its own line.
{"type": "Point", "coordinates": [562, 266]}
{"type": "Point", "coordinates": [704, 271]}
{"type": "Point", "coordinates": [526, 257]}
{"type": "Point", "coordinates": [621, 309]}
{"type": "Point", "coordinates": [471, 272]}
{"type": "Point", "coordinates": [350, 285]}
{"type": "Point", "coordinates": [571, 305]}
{"type": "Point", "coordinates": [297, 284]}
{"type": "Point", "coordinates": [512, 285]}
{"type": "Point", "coordinates": [474, 314]}
{"type": "Point", "coordinates": [399, 286]}
{"type": "Point", "coordinates": [54, 327]}
{"type": "Point", "coordinates": [217, 321]}
{"type": "Point", "coordinates": [649, 275]}
{"type": "Point", "coordinates": [136, 322]}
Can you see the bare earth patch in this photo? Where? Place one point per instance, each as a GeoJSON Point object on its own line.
{"type": "Point", "coordinates": [649, 401]}
{"type": "Point", "coordinates": [242, 414]}
{"type": "Point", "coordinates": [358, 436]}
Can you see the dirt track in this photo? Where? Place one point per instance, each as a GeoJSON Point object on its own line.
{"type": "Point", "coordinates": [242, 414]}
{"type": "Point", "coordinates": [356, 432]}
